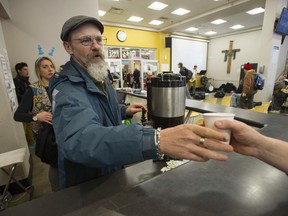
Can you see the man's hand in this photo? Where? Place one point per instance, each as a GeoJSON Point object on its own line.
{"type": "Point", "coordinates": [135, 108]}
{"type": "Point", "coordinates": [193, 142]}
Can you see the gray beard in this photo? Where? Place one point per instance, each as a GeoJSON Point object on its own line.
{"type": "Point", "coordinates": [98, 71]}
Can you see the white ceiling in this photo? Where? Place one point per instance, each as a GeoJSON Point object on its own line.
{"type": "Point", "coordinates": [202, 13]}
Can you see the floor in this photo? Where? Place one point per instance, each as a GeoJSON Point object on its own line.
{"type": "Point", "coordinates": [39, 180]}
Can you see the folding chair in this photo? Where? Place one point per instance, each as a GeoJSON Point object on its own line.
{"type": "Point", "coordinates": [8, 163]}
{"type": "Point", "coordinates": [262, 108]}
{"type": "Point", "coordinates": [226, 100]}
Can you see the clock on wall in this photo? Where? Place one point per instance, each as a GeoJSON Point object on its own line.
{"type": "Point", "coordinates": [121, 35]}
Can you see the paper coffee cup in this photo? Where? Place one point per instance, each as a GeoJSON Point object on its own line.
{"type": "Point", "coordinates": [210, 118]}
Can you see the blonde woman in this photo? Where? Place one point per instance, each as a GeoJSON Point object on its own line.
{"type": "Point", "coordinates": [35, 106]}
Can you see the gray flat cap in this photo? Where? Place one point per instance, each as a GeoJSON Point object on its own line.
{"type": "Point", "coordinates": [75, 22]}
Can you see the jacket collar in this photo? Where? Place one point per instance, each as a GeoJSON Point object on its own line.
{"type": "Point", "coordinates": [75, 74]}
{"type": "Point", "coordinates": [25, 79]}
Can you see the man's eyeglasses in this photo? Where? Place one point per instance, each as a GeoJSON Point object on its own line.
{"type": "Point", "coordinates": [89, 40]}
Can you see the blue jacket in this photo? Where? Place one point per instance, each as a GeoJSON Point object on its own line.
{"type": "Point", "coordinates": [91, 140]}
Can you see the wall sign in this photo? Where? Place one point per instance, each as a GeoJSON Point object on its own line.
{"type": "Point", "coordinates": [113, 53]}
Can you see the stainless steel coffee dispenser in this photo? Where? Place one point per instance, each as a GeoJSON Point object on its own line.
{"type": "Point", "coordinates": [166, 96]}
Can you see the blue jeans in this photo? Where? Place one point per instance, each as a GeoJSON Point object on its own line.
{"type": "Point", "coordinates": [235, 99]}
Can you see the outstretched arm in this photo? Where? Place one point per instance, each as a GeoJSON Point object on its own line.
{"type": "Point", "coordinates": [248, 141]}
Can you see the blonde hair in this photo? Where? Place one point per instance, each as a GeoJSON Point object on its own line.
{"type": "Point", "coordinates": [37, 67]}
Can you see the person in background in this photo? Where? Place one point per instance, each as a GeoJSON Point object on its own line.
{"type": "Point", "coordinates": [35, 106]}
{"type": "Point", "coordinates": [129, 78]}
{"type": "Point", "coordinates": [279, 95]}
{"type": "Point", "coordinates": [87, 119]}
{"type": "Point", "coordinates": [195, 70]}
{"type": "Point", "coordinates": [187, 74]}
{"type": "Point", "coordinates": [248, 141]}
{"type": "Point", "coordinates": [183, 71]}
{"type": "Point", "coordinates": [248, 91]}
{"type": "Point", "coordinates": [192, 82]}
{"type": "Point", "coordinates": [110, 77]}
{"type": "Point", "coordinates": [21, 81]}
{"type": "Point", "coordinates": [136, 75]}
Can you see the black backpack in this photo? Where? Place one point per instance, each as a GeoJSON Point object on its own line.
{"type": "Point", "coordinates": [46, 147]}
{"type": "Point", "coordinates": [219, 94]}
{"type": "Point", "coordinates": [204, 80]}
{"type": "Point", "coordinates": [189, 74]}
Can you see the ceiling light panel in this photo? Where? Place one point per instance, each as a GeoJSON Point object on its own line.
{"type": "Point", "coordinates": [210, 33]}
{"type": "Point", "coordinates": [237, 26]}
{"type": "Point", "coordinates": [157, 6]}
{"type": "Point", "coordinates": [156, 22]}
{"type": "Point", "coordinates": [255, 11]}
{"type": "Point", "coordinates": [192, 29]}
{"type": "Point", "coordinates": [135, 19]}
{"type": "Point", "coordinates": [218, 21]}
{"type": "Point", "coordinates": [101, 13]}
{"type": "Point", "coordinates": [180, 11]}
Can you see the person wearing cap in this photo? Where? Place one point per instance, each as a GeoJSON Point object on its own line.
{"type": "Point", "coordinates": [87, 119]}
{"type": "Point", "coordinates": [248, 91]}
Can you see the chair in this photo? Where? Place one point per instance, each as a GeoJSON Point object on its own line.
{"type": "Point", "coordinates": [226, 100]}
{"type": "Point", "coordinates": [263, 108]}
{"type": "Point", "coordinates": [8, 163]}
{"type": "Point", "coordinates": [211, 100]}
{"type": "Point", "coordinates": [190, 117]}
{"type": "Point", "coordinates": [200, 122]}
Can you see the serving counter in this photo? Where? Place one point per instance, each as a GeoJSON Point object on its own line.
{"type": "Point", "coordinates": [240, 186]}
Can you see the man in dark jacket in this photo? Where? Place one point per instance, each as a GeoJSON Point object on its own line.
{"type": "Point", "coordinates": [136, 75]}
{"type": "Point", "coordinates": [92, 141]}
{"type": "Point", "coordinates": [21, 81]}
{"type": "Point", "coordinates": [185, 72]}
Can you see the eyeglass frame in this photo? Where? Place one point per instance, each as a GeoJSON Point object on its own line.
{"type": "Point", "coordinates": [92, 38]}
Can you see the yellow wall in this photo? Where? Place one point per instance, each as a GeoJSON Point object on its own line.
{"type": "Point", "coordinates": [140, 39]}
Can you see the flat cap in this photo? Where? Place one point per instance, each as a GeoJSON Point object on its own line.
{"type": "Point", "coordinates": [75, 22]}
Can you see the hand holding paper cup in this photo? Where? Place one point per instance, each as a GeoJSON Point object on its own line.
{"type": "Point", "coordinates": [210, 118]}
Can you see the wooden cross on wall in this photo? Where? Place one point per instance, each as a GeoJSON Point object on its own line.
{"type": "Point", "coordinates": [229, 54]}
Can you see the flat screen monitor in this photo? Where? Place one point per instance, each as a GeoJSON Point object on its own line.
{"type": "Point", "coordinates": [282, 24]}
{"type": "Point", "coordinates": [203, 72]}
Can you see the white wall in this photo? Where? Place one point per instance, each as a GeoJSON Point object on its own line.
{"type": "Point", "coordinates": [36, 22]}
{"type": "Point", "coordinates": [12, 133]}
{"type": "Point", "coordinates": [249, 45]}
{"type": "Point", "coordinates": [262, 47]}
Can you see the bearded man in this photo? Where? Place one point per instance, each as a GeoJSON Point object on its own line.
{"type": "Point", "coordinates": [87, 118]}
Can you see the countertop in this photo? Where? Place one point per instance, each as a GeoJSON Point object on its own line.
{"type": "Point", "coordinates": [240, 186]}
